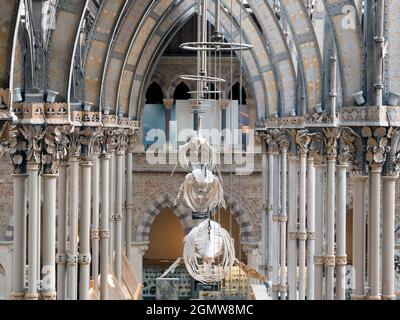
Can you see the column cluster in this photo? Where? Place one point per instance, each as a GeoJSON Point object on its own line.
{"type": "Point", "coordinates": [58, 171]}
{"type": "Point", "coordinates": [305, 194]}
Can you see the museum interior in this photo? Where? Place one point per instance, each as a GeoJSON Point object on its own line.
{"type": "Point", "coordinates": [199, 150]}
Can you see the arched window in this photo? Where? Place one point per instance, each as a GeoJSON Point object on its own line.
{"type": "Point", "coordinates": [182, 92]}
{"type": "Point", "coordinates": [154, 94]}
{"type": "Point", "coordinates": [236, 93]}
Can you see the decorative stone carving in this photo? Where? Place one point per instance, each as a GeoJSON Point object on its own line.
{"type": "Point", "coordinates": [303, 140]}
{"type": "Point", "coordinates": [131, 138]}
{"type": "Point", "coordinates": [109, 141]}
{"type": "Point", "coordinates": [377, 146]}
{"type": "Point", "coordinates": [90, 139]}
{"type": "Point", "coordinates": [331, 142]}
{"type": "Point", "coordinates": [34, 136]}
{"type": "Point", "coordinates": [55, 148]}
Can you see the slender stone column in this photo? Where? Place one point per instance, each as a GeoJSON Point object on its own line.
{"type": "Point", "coordinates": [111, 208]}
{"type": "Point", "coordinates": [292, 228]}
{"type": "Point", "coordinates": [49, 237]}
{"type": "Point", "coordinates": [118, 215]}
{"type": "Point", "coordinates": [276, 220]}
{"type": "Point", "coordinates": [168, 104]}
{"type": "Point", "coordinates": [359, 235]}
{"type": "Point", "coordinates": [310, 228]}
{"type": "Point", "coordinates": [264, 211]}
{"type": "Point", "coordinates": [104, 227]}
{"type": "Point", "coordinates": [95, 222]}
{"type": "Point", "coordinates": [129, 203]}
{"type": "Point", "coordinates": [284, 219]}
{"type": "Point", "coordinates": [72, 258]}
{"type": "Point", "coordinates": [330, 229]}
{"type": "Point", "coordinates": [319, 230]}
{"type": "Point", "coordinates": [84, 230]}
{"type": "Point", "coordinates": [273, 241]}
{"type": "Point", "coordinates": [33, 172]}
{"type": "Point", "coordinates": [341, 257]}
{"type": "Point", "coordinates": [62, 231]}
{"type": "Point", "coordinates": [388, 242]}
{"type": "Point", "coordinates": [375, 212]}
{"type": "Point", "coordinates": [19, 255]}
{"type": "Point", "coordinates": [302, 232]}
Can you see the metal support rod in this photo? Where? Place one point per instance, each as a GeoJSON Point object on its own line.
{"type": "Point", "coordinates": [104, 227]}
{"type": "Point", "coordinates": [49, 237]}
{"type": "Point", "coordinates": [62, 231]}
{"type": "Point", "coordinates": [19, 255]}
{"type": "Point", "coordinates": [84, 231]}
{"type": "Point", "coordinates": [95, 222]}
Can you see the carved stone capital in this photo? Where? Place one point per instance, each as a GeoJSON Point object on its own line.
{"type": "Point", "coordinates": [303, 140]}
{"type": "Point", "coordinates": [331, 136]}
{"type": "Point", "coordinates": [377, 147]}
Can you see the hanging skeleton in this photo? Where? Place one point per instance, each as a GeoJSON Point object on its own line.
{"type": "Point", "coordinates": [201, 190]}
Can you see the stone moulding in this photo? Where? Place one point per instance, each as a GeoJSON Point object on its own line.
{"type": "Point", "coordinates": [57, 114]}
{"type": "Point", "coordinates": [385, 116]}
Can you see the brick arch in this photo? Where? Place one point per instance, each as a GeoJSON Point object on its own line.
{"type": "Point", "coordinates": [165, 200]}
{"type": "Point", "coordinates": [242, 217]}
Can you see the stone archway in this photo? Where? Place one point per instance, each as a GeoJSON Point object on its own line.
{"type": "Point", "coordinates": [165, 200]}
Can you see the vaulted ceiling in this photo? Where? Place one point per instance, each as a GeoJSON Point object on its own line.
{"type": "Point", "coordinates": [104, 52]}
